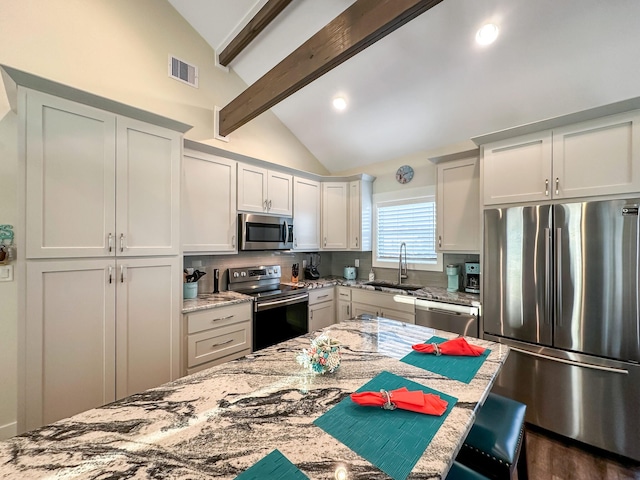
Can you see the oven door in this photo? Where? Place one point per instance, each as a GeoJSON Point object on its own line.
{"type": "Point", "coordinates": [263, 232]}
{"type": "Point", "coordinates": [279, 319]}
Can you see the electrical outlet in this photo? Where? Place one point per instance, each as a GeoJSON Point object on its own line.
{"type": "Point", "coordinates": [304, 264]}
{"type": "Point", "coordinates": [357, 262]}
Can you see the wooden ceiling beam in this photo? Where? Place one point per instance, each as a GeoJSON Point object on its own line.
{"type": "Point", "coordinates": [359, 26]}
{"type": "Point", "coordinates": [258, 23]}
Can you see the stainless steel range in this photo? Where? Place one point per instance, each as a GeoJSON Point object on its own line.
{"type": "Point", "coordinates": [280, 312]}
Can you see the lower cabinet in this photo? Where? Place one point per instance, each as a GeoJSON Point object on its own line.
{"type": "Point", "coordinates": [343, 310]}
{"type": "Point", "coordinates": [217, 335]}
{"type": "Point", "coordinates": [382, 304]}
{"type": "Point", "coordinates": [321, 308]}
{"type": "Point", "coordinates": [96, 331]}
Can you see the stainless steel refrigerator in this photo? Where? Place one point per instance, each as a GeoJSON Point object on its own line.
{"type": "Point", "coordinates": [560, 286]}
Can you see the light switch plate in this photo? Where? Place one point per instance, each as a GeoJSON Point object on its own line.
{"type": "Point", "coordinates": [357, 262]}
{"type": "Point", "coordinates": [6, 273]}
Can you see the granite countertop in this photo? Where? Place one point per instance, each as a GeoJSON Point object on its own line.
{"type": "Point", "coordinates": [218, 422]}
{"type": "Point", "coordinates": [215, 300]}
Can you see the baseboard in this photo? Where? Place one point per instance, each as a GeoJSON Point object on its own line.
{"type": "Point", "coordinates": [9, 430]}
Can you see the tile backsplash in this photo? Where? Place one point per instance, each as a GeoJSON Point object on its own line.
{"type": "Point", "coordinates": [330, 263]}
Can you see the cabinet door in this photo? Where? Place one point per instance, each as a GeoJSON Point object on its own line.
{"type": "Point", "coordinates": [148, 189]}
{"type": "Point", "coordinates": [517, 169]}
{"type": "Point", "coordinates": [148, 323]}
{"type": "Point", "coordinates": [335, 206]}
{"type": "Point", "coordinates": [598, 157]}
{"type": "Point", "coordinates": [458, 206]}
{"type": "Point", "coordinates": [362, 309]}
{"type": "Point", "coordinates": [279, 193]}
{"type": "Point", "coordinates": [355, 216]}
{"type": "Point", "coordinates": [70, 172]}
{"type": "Point", "coordinates": [321, 315]}
{"type": "Point", "coordinates": [406, 317]}
{"type": "Point", "coordinates": [70, 339]}
{"type": "Point", "coordinates": [209, 220]}
{"type": "Point", "coordinates": [343, 310]}
{"type": "Point", "coordinates": [306, 214]}
{"type": "Point", "coordinates": [252, 188]}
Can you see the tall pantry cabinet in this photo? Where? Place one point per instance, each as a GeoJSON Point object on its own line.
{"type": "Point", "coordinates": [103, 282]}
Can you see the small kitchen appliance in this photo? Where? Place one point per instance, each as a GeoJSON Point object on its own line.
{"type": "Point", "coordinates": [350, 273]}
{"type": "Point", "coordinates": [216, 280]}
{"type": "Point", "coordinates": [453, 278]}
{"type": "Point", "coordinates": [264, 232]}
{"type": "Point", "coordinates": [311, 271]}
{"type": "Point", "coordinates": [472, 277]}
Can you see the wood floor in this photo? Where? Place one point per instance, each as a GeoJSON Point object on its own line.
{"type": "Point", "coordinates": [552, 457]}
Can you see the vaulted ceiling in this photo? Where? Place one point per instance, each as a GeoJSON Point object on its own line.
{"type": "Point", "coordinates": [428, 84]}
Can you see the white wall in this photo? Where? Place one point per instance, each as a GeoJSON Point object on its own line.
{"type": "Point", "coordinates": [116, 49]}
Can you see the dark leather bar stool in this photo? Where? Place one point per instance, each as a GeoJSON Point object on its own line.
{"type": "Point", "coordinates": [460, 472]}
{"type": "Point", "coordinates": [495, 444]}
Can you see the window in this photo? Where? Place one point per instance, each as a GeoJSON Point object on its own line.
{"type": "Point", "coordinates": [409, 220]}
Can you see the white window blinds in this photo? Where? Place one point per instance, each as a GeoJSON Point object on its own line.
{"type": "Point", "coordinates": [411, 221]}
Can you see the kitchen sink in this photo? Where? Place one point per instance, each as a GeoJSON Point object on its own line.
{"type": "Point", "coordinates": [407, 287]}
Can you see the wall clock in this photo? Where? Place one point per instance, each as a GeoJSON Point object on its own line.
{"type": "Point", "coordinates": [404, 174]}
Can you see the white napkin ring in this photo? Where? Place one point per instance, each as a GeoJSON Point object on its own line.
{"type": "Point", "coordinates": [436, 349]}
{"type": "Point", "coordinates": [388, 404]}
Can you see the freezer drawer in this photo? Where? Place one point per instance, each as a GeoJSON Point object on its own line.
{"type": "Point", "coordinates": [592, 403]}
{"type": "Point", "coordinates": [458, 319]}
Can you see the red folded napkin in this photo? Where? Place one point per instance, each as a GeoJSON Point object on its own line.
{"type": "Point", "coordinates": [402, 398]}
{"type": "Point", "coordinates": [457, 346]}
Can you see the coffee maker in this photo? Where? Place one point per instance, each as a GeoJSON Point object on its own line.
{"type": "Point", "coordinates": [472, 277]}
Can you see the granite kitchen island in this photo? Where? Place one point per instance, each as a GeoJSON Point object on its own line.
{"type": "Point", "coordinates": [221, 421]}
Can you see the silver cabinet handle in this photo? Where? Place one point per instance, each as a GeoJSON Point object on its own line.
{"type": "Point", "coordinates": [546, 187]}
{"type": "Point", "coordinates": [122, 242]}
{"type": "Point", "coordinates": [222, 343]}
{"type": "Point", "coordinates": [233, 241]}
{"type": "Point", "coordinates": [295, 242]}
{"type": "Point", "coordinates": [110, 274]}
{"type": "Point", "coordinates": [557, 185]}
{"type": "Point", "coordinates": [439, 241]}
{"type": "Point", "coordinates": [269, 204]}
{"type": "Point", "coordinates": [222, 318]}
{"type": "Point", "coordinates": [121, 273]}
{"type": "Point", "coordinates": [310, 314]}
{"type": "Point", "coordinates": [348, 315]}
{"type": "Point", "coordinates": [323, 296]}
{"type": "Point", "coordinates": [265, 208]}
{"type": "Point", "coordinates": [109, 242]}
{"type": "Point", "coordinates": [325, 241]}
{"type": "Point", "coordinates": [356, 242]}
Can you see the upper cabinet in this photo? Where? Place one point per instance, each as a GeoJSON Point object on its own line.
{"type": "Point", "coordinates": [264, 191]}
{"type": "Point", "coordinates": [306, 214]}
{"type": "Point", "coordinates": [209, 220]}
{"type": "Point", "coordinates": [458, 204]}
{"type": "Point", "coordinates": [335, 219]}
{"type": "Point", "coordinates": [98, 184]}
{"type": "Point", "coordinates": [360, 215]}
{"type": "Point", "coordinates": [595, 157]}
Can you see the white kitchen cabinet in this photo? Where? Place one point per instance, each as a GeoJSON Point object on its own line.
{"type": "Point", "coordinates": [458, 205]}
{"type": "Point", "coordinates": [360, 215]}
{"type": "Point", "coordinates": [217, 335]}
{"type": "Point", "coordinates": [595, 157]}
{"type": "Point", "coordinates": [321, 308]}
{"type": "Point", "coordinates": [264, 191]}
{"type": "Point", "coordinates": [97, 330]}
{"type": "Point", "coordinates": [335, 219]}
{"type": "Point", "coordinates": [98, 183]}
{"type": "Point", "coordinates": [209, 219]}
{"type": "Point", "coordinates": [343, 304]}
{"type": "Point", "coordinates": [382, 304]}
{"type": "Point", "coordinates": [306, 214]}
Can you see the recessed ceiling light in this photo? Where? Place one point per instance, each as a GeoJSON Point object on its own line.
{"type": "Point", "coordinates": [339, 103]}
{"type": "Point", "coordinates": [487, 34]}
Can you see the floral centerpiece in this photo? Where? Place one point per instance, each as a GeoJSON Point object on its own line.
{"type": "Point", "coordinates": [322, 357]}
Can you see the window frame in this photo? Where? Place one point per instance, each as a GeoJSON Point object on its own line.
{"type": "Point", "coordinates": [415, 195]}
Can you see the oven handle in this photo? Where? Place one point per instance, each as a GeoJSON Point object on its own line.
{"type": "Point", "coordinates": [284, 302]}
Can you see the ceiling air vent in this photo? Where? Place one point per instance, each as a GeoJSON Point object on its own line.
{"type": "Point", "coordinates": [182, 71]}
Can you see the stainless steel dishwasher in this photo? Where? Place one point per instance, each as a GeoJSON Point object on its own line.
{"type": "Point", "coordinates": [461, 319]}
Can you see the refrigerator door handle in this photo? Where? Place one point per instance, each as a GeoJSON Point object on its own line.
{"type": "Point", "coordinates": [547, 276]}
{"type": "Point", "coordinates": [621, 371]}
{"type": "Point", "coordinates": [558, 246]}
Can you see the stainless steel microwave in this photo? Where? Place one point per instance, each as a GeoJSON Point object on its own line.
{"type": "Point", "coordinates": [264, 232]}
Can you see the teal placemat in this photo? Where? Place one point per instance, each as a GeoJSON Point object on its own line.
{"type": "Point", "coordinates": [450, 366]}
{"type": "Point", "coordinates": [273, 467]}
{"type": "Point", "coordinates": [394, 440]}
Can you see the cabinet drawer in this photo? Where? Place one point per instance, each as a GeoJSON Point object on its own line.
{"type": "Point", "coordinates": [380, 300]}
{"type": "Point", "coordinates": [344, 293]}
{"type": "Point", "coordinates": [218, 317]}
{"type": "Point", "coordinates": [321, 295]}
{"type": "Point", "coordinates": [216, 343]}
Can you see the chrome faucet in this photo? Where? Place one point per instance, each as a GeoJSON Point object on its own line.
{"type": "Point", "coordinates": [402, 270]}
